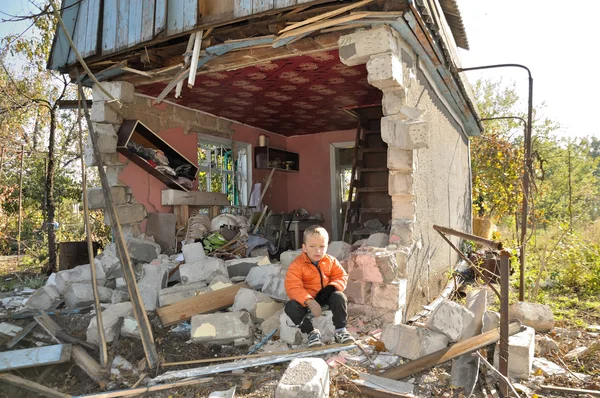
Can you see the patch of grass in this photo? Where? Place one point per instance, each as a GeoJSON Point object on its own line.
{"type": "Point", "coordinates": [11, 282]}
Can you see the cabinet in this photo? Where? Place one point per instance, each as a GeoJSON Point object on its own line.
{"type": "Point", "coordinates": [134, 131]}
{"type": "Point", "coordinates": [268, 158]}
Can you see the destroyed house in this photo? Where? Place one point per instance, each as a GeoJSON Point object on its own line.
{"type": "Point", "coordinates": [351, 111]}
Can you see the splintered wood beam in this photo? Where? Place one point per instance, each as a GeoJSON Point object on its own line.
{"type": "Point", "coordinates": [142, 390]}
{"type": "Point", "coordinates": [31, 386]}
{"type": "Point", "coordinates": [322, 25]}
{"type": "Point", "coordinates": [186, 61]}
{"type": "Point", "coordinates": [39, 356]}
{"type": "Point", "coordinates": [195, 56]}
{"type": "Point", "coordinates": [326, 15]}
{"type": "Point", "coordinates": [180, 77]}
{"type": "Point", "coordinates": [205, 303]}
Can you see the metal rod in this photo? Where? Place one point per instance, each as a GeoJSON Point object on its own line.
{"type": "Point", "coordinates": [504, 291]}
{"type": "Point", "coordinates": [492, 244]}
{"type": "Point", "coordinates": [20, 206]}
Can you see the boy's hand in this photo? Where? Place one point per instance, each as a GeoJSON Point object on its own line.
{"type": "Point", "coordinates": [314, 307]}
{"type": "Point", "coordinates": [325, 293]}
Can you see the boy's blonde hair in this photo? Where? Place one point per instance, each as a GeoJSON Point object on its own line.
{"type": "Point", "coordinates": [316, 230]}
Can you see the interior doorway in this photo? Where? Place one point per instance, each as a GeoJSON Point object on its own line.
{"type": "Point", "coordinates": [341, 155]}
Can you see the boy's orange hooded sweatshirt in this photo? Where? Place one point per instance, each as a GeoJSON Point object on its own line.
{"type": "Point", "coordinates": [304, 280]}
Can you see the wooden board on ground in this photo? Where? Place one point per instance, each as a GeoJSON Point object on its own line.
{"type": "Point", "coordinates": [172, 197]}
{"type": "Point", "coordinates": [31, 386]}
{"type": "Point", "coordinates": [208, 302]}
{"type": "Point", "coordinates": [39, 356]}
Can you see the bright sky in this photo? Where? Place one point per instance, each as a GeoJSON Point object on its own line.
{"type": "Point", "coordinates": [556, 40]}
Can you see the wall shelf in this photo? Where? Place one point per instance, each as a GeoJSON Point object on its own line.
{"type": "Point", "coordinates": [136, 132]}
{"type": "Point", "coordinates": [268, 158]}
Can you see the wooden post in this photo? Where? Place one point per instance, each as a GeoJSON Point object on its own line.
{"type": "Point", "coordinates": [88, 231]}
{"type": "Point", "coordinates": [20, 206]}
{"type": "Point", "coordinates": [136, 300]}
{"type": "Point", "coordinates": [504, 292]}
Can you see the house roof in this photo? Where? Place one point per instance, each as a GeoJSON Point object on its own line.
{"type": "Point", "coordinates": [454, 18]}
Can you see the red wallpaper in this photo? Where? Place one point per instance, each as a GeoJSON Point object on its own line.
{"type": "Point", "coordinates": [300, 95]}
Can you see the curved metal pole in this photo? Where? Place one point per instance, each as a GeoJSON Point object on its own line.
{"type": "Point", "coordinates": [526, 166]}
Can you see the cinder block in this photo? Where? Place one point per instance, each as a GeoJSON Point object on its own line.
{"type": "Point", "coordinates": [79, 274]}
{"type": "Point", "coordinates": [451, 319]}
{"type": "Point", "coordinates": [403, 207]}
{"type": "Point", "coordinates": [390, 317]}
{"type": "Point", "coordinates": [257, 304]}
{"type": "Point", "coordinates": [358, 292]}
{"type": "Point", "coordinates": [108, 159]}
{"type": "Point", "coordinates": [356, 48]}
{"type": "Point", "coordinates": [304, 377]}
{"type": "Point", "coordinates": [390, 296]}
{"type": "Point", "coordinates": [110, 317]}
{"type": "Point", "coordinates": [412, 342]}
{"type": "Point", "coordinates": [242, 266]}
{"type": "Point", "coordinates": [400, 183]}
{"type": "Point", "coordinates": [399, 159]}
{"type": "Point", "coordinates": [106, 134]}
{"type": "Point", "coordinates": [102, 112]}
{"type": "Point", "coordinates": [96, 197]}
{"type": "Point", "coordinates": [292, 335]}
{"type": "Point", "coordinates": [128, 214]}
{"type": "Point", "coordinates": [538, 316]}
{"type": "Point", "coordinates": [340, 250]}
{"type": "Point", "coordinates": [142, 250]}
{"type": "Point", "coordinates": [219, 282]}
{"type": "Point", "coordinates": [122, 91]}
{"type": "Point", "coordinates": [521, 348]}
{"type": "Point", "coordinates": [45, 298]}
{"type": "Point", "coordinates": [401, 231]}
{"type": "Point", "coordinates": [385, 71]}
{"type": "Point", "coordinates": [177, 293]}
{"type": "Point", "coordinates": [286, 258]}
{"type": "Point", "coordinates": [193, 252]}
{"type": "Point", "coordinates": [152, 280]}
{"type": "Point", "coordinates": [404, 134]}
{"type": "Point", "coordinates": [393, 100]}
{"type": "Point", "coordinates": [271, 323]}
{"type": "Point", "coordinates": [373, 266]}
{"type": "Point", "coordinates": [274, 287]}
{"type": "Point", "coordinates": [112, 174]}
{"type": "Point", "coordinates": [258, 275]}
{"type": "Point", "coordinates": [81, 295]}
{"type": "Point", "coordinates": [202, 271]}
{"type": "Point", "coordinates": [221, 328]}
{"type": "Point", "coordinates": [131, 230]}
{"type": "Point", "coordinates": [379, 239]}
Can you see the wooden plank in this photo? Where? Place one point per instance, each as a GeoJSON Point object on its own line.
{"type": "Point", "coordinates": [174, 17]}
{"type": "Point", "coordinates": [109, 26]}
{"type": "Point", "coordinates": [208, 302]}
{"type": "Point", "coordinates": [190, 14]}
{"type": "Point", "coordinates": [147, 20]}
{"type": "Point", "coordinates": [61, 49]}
{"type": "Point", "coordinates": [38, 356]}
{"type": "Point", "coordinates": [194, 59]}
{"type": "Point", "coordinates": [92, 27]}
{"type": "Point", "coordinates": [56, 331]}
{"type": "Point", "coordinates": [576, 391]}
{"type": "Point", "coordinates": [160, 17]}
{"type": "Point", "coordinates": [329, 14]}
{"type": "Point", "coordinates": [29, 385]}
{"type": "Point", "coordinates": [324, 24]}
{"type": "Point", "coordinates": [122, 25]}
{"type": "Point", "coordinates": [242, 8]}
{"type": "Point", "coordinates": [89, 365]}
{"type": "Point", "coordinates": [143, 390]}
{"type": "Point", "coordinates": [172, 197]}
{"type": "Point", "coordinates": [283, 3]}
{"type": "Point", "coordinates": [259, 6]}
{"type": "Point", "coordinates": [134, 24]}
{"type": "Point", "coordinates": [79, 34]}
{"type": "Point", "coordinates": [19, 336]}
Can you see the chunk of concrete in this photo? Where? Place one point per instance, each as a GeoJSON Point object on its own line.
{"type": "Point", "coordinates": [202, 271]}
{"type": "Point", "coordinates": [110, 318]}
{"type": "Point", "coordinates": [130, 327]}
{"type": "Point", "coordinates": [177, 293]}
{"type": "Point", "coordinates": [271, 323]}
{"type": "Point", "coordinates": [451, 319]}
{"type": "Point", "coordinates": [545, 345]}
{"type": "Point", "coordinates": [96, 197]}
{"type": "Point", "coordinates": [339, 249]}
{"type": "Point", "coordinates": [258, 275]}
{"type": "Point", "coordinates": [548, 368]}
{"type": "Point", "coordinates": [79, 274]}
{"type": "Point", "coordinates": [382, 315]}
{"type": "Point", "coordinates": [292, 335]}
{"type": "Point", "coordinates": [491, 321]}
{"type": "Point", "coordinates": [219, 282]}
{"type": "Point", "coordinates": [128, 214]}
{"type": "Point", "coordinates": [221, 328]}
{"type": "Point", "coordinates": [384, 71]}
{"type": "Point", "coordinates": [257, 304]}
{"type": "Point", "coordinates": [274, 287]}
{"type": "Point", "coordinates": [102, 112]}
{"type": "Point", "coordinates": [391, 296]}
{"type": "Point", "coordinates": [242, 266]}
{"type": "Point", "coordinates": [304, 377]}
{"type": "Point", "coordinates": [373, 266]}
{"type": "Point", "coordinates": [81, 295]}
{"type": "Point", "coordinates": [399, 132]}
{"type": "Point", "coordinates": [412, 342]}
{"type": "Point", "coordinates": [358, 292]}
{"type": "Point", "coordinates": [379, 239]}
{"type": "Point", "coordinates": [110, 262]}
{"type": "Point", "coordinates": [119, 90]}
{"type": "Point", "coordinates": [521, 348]}
{"type": "Point", "coordinates": [142, 250]}
{"type": "Point", "coordinates": [288, 257]}
{"type": "Point", "coordinates": [152, 280]}
{"type": "Point", "coordinates": [44, 299]}
{"type": "Point", "coordinates": [193, 252]}
{"type": "Point", "coordinates": [538, 316]}
{"type": "Point", "coordinates": [358, 47]}
{"type": "Point", "coordinates": [119, 296]}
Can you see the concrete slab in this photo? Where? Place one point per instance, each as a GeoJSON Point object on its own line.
{"type": "Point", "coordinates": [257, 304]}
{"type": "Point", "coordinates": [538, 316]}
{"type": "Point", "coordinates": [45, 298]}
{"type": "Point", "coordinates": [203, 270]}
{"type": "Point", "coordinates": [152, 280]}
{"type": "Point", "coordinates": [221, 328]}
{"type": "Point", "coordinates": [177, 293]}
{"type": "Point", "coordinates": [306, 378]}
{"type": "Point", "coordinates": [412, 342]}
{"type": "Point", "coordinates": [79, 274]}
{"type": "Point", "coordinates": [81, 295]}
{"type": "Point", "coordinates": [258, 275]}
{"type": "Point", "coordinates": [274, 287]}
{"type": "Point", "coordinates": [110, 317]}
{"type": "Point", "coordinates": [451, 319]}
{"type": "Point", "coordinates": [521, 348]}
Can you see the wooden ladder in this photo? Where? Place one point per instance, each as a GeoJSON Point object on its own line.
{"type": "Point", "coordinates": [368, 196]}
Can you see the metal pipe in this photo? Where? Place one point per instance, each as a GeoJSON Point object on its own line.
{"type": "Point", "coordinates": [492, 244]}
{"type": "Point", "coordinates": [527, 163]}
{"type": "Point", "coordinates": [504, 291]}
{"type": "Point", "coordinates": [20, 206]}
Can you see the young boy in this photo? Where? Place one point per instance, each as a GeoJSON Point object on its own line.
{"type": "Point", "coordinates": [315, 279]}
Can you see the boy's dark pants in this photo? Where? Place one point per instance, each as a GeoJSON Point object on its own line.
{"type": "Point", "coordinates": [338, 304]}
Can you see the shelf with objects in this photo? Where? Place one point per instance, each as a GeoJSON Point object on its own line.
{"type": "Point", "coordinates": [266, 157]}
{"type": "Point", "coordinates": [146, 149]}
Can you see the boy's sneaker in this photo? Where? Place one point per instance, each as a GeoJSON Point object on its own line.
{"type": "Point", "coordinates": [343, 337]}
{"type": "Point", "coordinates": [314, 339]}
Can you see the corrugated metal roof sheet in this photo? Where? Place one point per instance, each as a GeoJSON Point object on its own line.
{"type": "Point", "coordinates": [452, 14]}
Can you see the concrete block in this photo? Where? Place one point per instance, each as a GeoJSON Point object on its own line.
{"type": "Point", "coordinates": [476, 303]}
{"type": "Point", "coordinates": [451, 319]}
{"type": "Point", "coordinates": [379, 239]}
{"type": "Point", "coordinates": [538, 316]}
{"type": "Point", "coordinates": [162, 227]}
{"type": "Point", "coordinates": [412, 113]}
{"type": "Point", "coordinates": [45, 298]}
{"type": "Point", "coordinates": [152, 280]}
{"type": "Point", "coordinates": [358, 47]}
{"type": "Point", "coordinates": [304, 377]}
{"type": "Point", "coordinates": [401, 232]}
{"type": "Point", "coordinates": [404, 134]}
{"type": "Point", "coordinates": [292, 335]}
{"type": "Point", "coordinates": [122, 91]}
{"type": "Point", "coordinates": [257, 304]}
{"type": "Point", "coordinates": [108, 159]}
{"type": "Point", "coordinates": [81, 295]}
{"type": "Point", "coordinates": [390, 296]}
{"type": "Point", "coordinates": [271, 323]}
{"type": "Point", "coordinates": [544, 345]}
{"type": "Point", "coordinates": [96, 197]}
{"type": "Point", "coordinates": [79, 274]}
{"type": "Point", "coordinates": [274, 287]}
{"type": "Point", "coordinates": [219, 282]}
{"type": "Point", "coordinates": [177, 293]}
{"type": "Point", "coordinates": [258, 275]}
{"type": "Point", "coordinates": [393, 100]}
{"type": "Point", "coordinates": [400, 183]}
{"type": "Point", "coordinates": [221, 328]}
{"type": "Point", "coordinates": [376, 266]}
{"type": "Point", "coordinates": [51, 281]}
{"type": "Point", "coordinates": [130, 327]}
{"type": "Point", "coordinates": [131, 230]}
{"type": "Point", "coordinates": [491, 321]}
{"type": "Point", "coordinates": [521, 348]}
{"type": "Point", "coordinates": [107, 137]}
{"type": "Point", "coordinates": [119, 296]}
{"type": "Point", "coordinates": [142, 250]}
{"type": "Point", "coordinates": [399, 159]}
{"type": "Point", "coordinates": [193, 252]}
{"type": "Point", "coordinates": [104, 113]}
{"type": "Point", "coordinates": [383, 315]}
{"type": "Point", "coordinates": [412, 342]}
{"type": "Point", "coordinates": [339, 249]}
{"type": "Point", "coordinates": [129, 214]}
{"type": "Point", "coordinates": [110, 261]}
{"type": "Point", "coordinates": [242, 266]}
{"type": "Point", "coordinates": [358, 292]}
{"type": "Point", "coordinates": [202, 271]}
{"type": "Point", "coordinates": [110, 317]}
{"type": "Point", "coordinates": [385, 71]}
{"type": "Point", "coordinates": [403, 206]}
{"type": "Point", "coordinates": [288, 257]}
{"type": "Point", "coordinates": [112, 175]}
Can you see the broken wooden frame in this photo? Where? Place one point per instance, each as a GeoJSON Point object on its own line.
{"type": "Point", "coordinates": [504, 289]}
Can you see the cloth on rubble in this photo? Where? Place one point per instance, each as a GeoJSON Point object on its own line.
{"type": "Point", "coordinates": [166, 170]}
{"type": "Point", "coordinates": [186, 170]}
{"type": "Point", "coordinates": [255, 241]}
{"type": "Point", "coordinates": [185, 182]}
{"type": "Point", "coordinates": [161, 158]}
